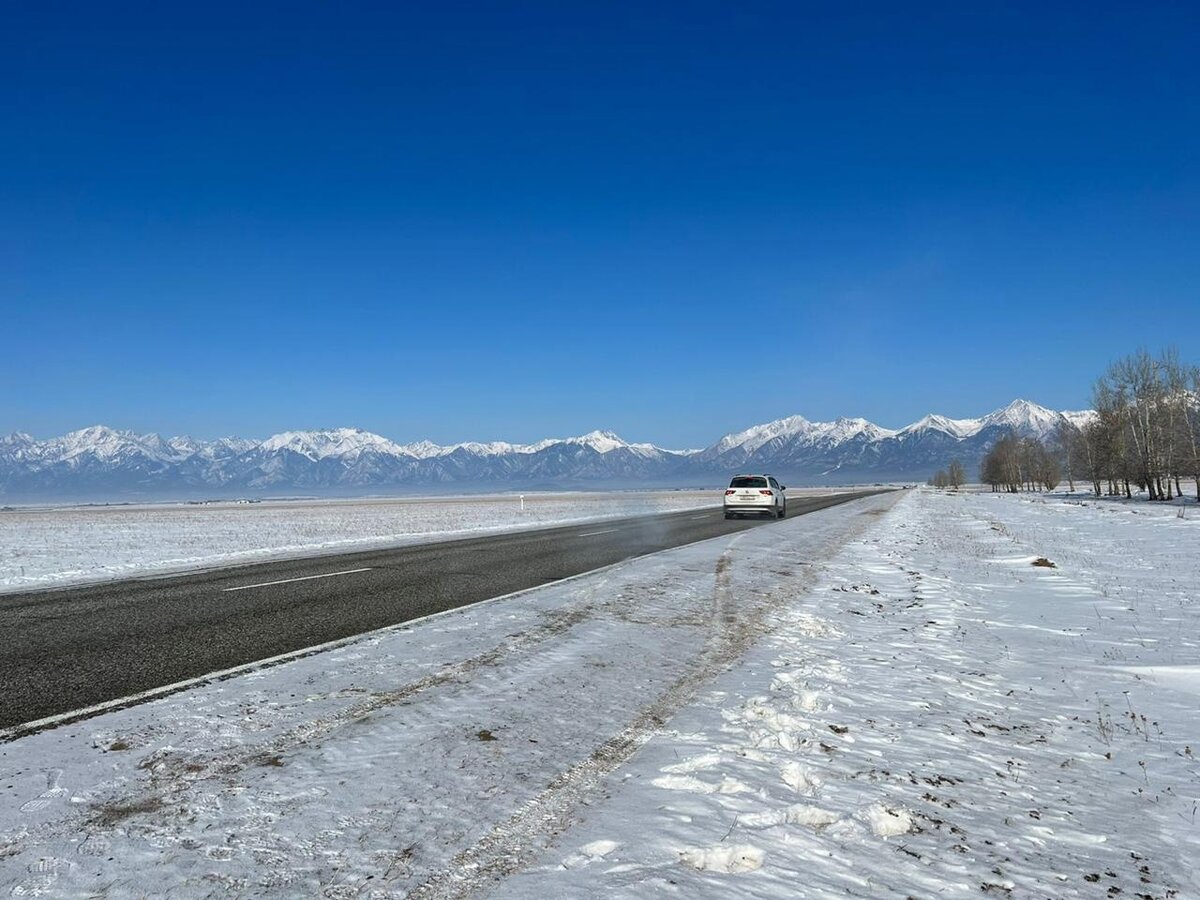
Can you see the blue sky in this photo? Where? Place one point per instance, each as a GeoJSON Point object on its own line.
{"type": "Point", "coordinates": [456, 221]}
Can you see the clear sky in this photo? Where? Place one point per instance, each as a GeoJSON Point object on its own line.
{"type": "Point", "coordinates": [507, 221]}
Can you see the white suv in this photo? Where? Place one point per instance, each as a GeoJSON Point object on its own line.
{"type": "Point", "coordinates": [755, 494]}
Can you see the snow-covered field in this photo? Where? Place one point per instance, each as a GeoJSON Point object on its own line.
{"type": "Point", "coordinates": [885, 699]}
{"type": "Point", "coordinates": [69, 545]}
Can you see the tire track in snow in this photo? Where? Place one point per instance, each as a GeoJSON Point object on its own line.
{"type": "Point", "coordinates": [516, 843]}
{"type": "Point", "coordinates": [559, 621]}
{"type": "Point", "coordinates": [173, 775]}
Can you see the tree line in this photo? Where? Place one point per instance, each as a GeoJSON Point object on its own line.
{"type": "Point", "coordinates": [953, 476]}
{"type": "Point", "coordinates": [1145, 434]}
{"type": "Point", "coordinates": [1017, 463]}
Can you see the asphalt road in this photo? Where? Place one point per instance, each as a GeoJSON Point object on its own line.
{"type": "Point", "coordinates": [63, 650]}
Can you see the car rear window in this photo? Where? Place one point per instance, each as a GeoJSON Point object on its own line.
{"type": "Point", "coordinates": [748, 481]}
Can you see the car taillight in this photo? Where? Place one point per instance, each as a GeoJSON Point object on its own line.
{"type": "Point", "coordinates": [730, 491]}
{"type": "Point", "coordinates": [765, 493]}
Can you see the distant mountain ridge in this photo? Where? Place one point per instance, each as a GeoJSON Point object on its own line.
{"type": "Point", "coordinates": [101, 462]}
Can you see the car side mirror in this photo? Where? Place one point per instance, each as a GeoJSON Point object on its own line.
{"type": "Point", "coordinates": [783, 487]}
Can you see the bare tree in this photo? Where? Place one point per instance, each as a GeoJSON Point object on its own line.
{"type": "Point", "coordinates": [956, 475]}
{"type": "Point", "coordinates": [1002, 465]}
{"type": "Point", "coordinates": [1093, 436]}
{"type": "Point", "coordinates": [1068, 438]}
{"type": "Point", "coordinates": [1183, 428]}
{"type": "Point", "coordinates": [1191, 420]}
{"type": "Point", "coordinates": [991, 471]}
{"type": "Point", "coordinates": [1117, 464]}
{"type": "Point", "coordinates": [1042, 465]}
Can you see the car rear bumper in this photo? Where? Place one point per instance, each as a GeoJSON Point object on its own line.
{"type": "Point", "coordinates": [766, 509]}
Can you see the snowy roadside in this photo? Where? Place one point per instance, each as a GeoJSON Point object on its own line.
{"type": "Point", "coordinates": [885, 699]}
{"type": "Point", "coordinates": [56, 547]}
{"type": "Point", "coordinates": [939, 717]}
{"type": "Point", "coordinates": [431, 758]}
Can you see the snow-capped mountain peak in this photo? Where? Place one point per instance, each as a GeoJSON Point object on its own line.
{"type": "Point", "coordinates": [423, 449]}
{"type": "Point", "coordinates": [958, 428]}
{"type": "Point", "coordinates": [1079, 417]}
{"type": "Point", "coordinates": [753, 438]}
{"type": "Point", "coordinates": [317, 445]}
{"type": "Point", "coordinates": [800, 431]}
{"type": "Point", "coordinates": [103, 443]}
{"type": "Point", "coordinates": [844, 429]}
{"type": "Point", "coordinates": [1024, 415]}
{"type": "Point", "coordinates": [1020, 415]}
{"type": "Point", "coordinates": [184, 445]}
{"type": "Point", "coordinates": [95, 436]}
{"type": "Point", "coordinates": [600, 441]}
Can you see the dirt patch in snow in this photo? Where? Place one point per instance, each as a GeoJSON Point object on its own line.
{"type": "Point", "coordinates": [109, 814]}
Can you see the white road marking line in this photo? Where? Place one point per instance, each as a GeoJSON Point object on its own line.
{"type": "Point", "coordinates": [606, 531]}
{"type": "Point", "coordinates": [699, 517]}
{"type": "Point", "coordinates": [246, 587]}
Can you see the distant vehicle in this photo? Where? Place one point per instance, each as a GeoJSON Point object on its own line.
{"type": "Point", "coordinates": [758, 495]}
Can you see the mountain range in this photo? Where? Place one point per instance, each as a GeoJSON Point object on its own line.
{"type": "Point", "coordinates": [101, 463]}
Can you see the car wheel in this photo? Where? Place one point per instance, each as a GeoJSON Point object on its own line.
{"type": "Point", "coordinates": [783, 511]}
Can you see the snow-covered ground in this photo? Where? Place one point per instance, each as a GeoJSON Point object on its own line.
{"type": "Point", "coordinates": [70, 545]}
{"type": "Point", "coordinates": [1083, 494]}
{"type": "Point", "coordinates": [939, 717]}
{"type": "Point", "coordinates": [882, 699]}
